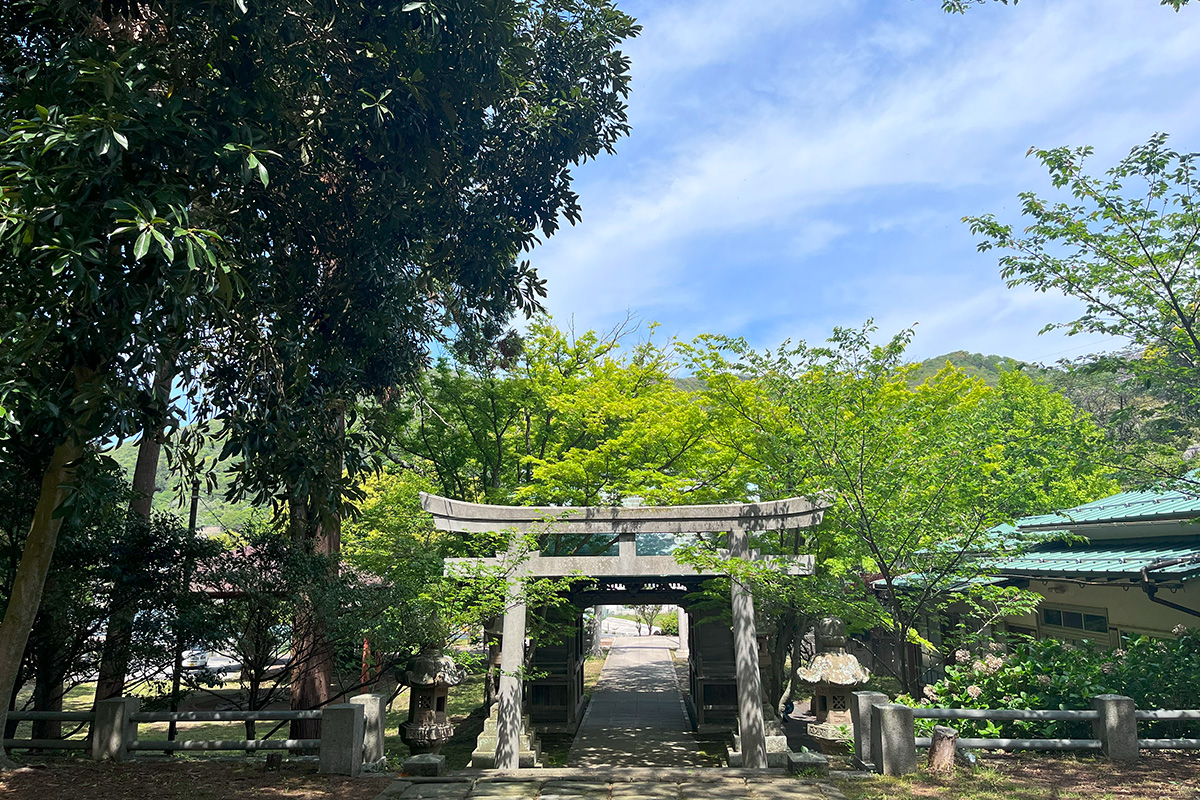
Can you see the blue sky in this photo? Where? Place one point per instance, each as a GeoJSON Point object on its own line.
{"type": "Point", "coordinates": [800, 164]}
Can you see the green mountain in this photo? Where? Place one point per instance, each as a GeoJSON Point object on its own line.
{"type": "Point", "coordinates": [170, 496]}
{"type": "Point", "coordinates": [986, 368]}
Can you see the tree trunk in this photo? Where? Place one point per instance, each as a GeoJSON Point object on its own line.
{"type": "Point", "coordinates": [114, 659]}
{"type": "Point", "coordinates": [785, 632]}
{"type": "Point", "coordinates": [47, 643]}
{"type": "Point", "coordinates": [312, 656]}
{"type": "Point", "coordinates": [941, 749]}
{"type": "Point", "coordinates": [47, 696]}
{"type": "Point", "coordinates": [27, 585]}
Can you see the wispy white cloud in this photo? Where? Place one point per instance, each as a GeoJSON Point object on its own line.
{"type": "Point", "coordinates": [796, 166]}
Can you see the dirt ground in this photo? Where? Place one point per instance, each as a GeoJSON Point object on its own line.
{"type": "Point", "coordinates": [183, 780]}
{"type": "Point", "coordinates": [1028, 776]}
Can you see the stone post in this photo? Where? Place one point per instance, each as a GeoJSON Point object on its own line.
{"type": "Point", "coordinates": [374, 719]}
{"type": "Point", "coordinates": [113, 732]}
{"type": "Point", "coordinates": [508, 700]}
{"type": "Point", "coordinates": [893, 740]}
{"type": "Point", "coordinates": [745, 650]}
{"type": "Point", "coordinates": [1117, 727]}
{"type": "Point", "coordinates": [683, 652]}
{"type": "Point", "coordinates": [343, 728]}
{"type": "Point", "coordinates": [860, 716]}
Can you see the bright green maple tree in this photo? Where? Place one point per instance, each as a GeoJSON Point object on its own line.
{"type": "Point", "coordinates": [1127, 245]}
{"type": "Point", "coordinates": [916, 477]}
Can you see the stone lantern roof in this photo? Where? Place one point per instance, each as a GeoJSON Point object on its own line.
{"type": "Point", "coordinates": [833, 666]}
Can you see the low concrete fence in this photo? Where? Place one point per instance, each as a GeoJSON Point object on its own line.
{"type": "Point", "coordinates": [351, 733]}
{"type": "Point", "coordinates": [885, 737]}
{"type": "Point", "coordinates": [80, 717]}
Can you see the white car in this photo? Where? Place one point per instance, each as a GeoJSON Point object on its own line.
{"type": "Point", "coordinates": [195, 658]}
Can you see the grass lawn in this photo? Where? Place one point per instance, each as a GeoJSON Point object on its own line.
{"type": "Point", "coordinates": [1029, 776]}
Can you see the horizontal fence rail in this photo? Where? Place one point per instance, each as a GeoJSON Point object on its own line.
{"type": "Point", "coordinates": [1163, 713]}
{"type": "Point", "coordinates": [226, 744]}
{"type": "Point", "coordinates": [47, 744]}
{"type": "Point", "coordinates": [223, 716]}
{"type": "Point", "coordinates": [1169, 744]}
{"type": "Point", "coordinates": [887, 741]}
{"type": "Point", "coordinates": [1005, 714]}
{"type": "Point", "coordinates": [50, 716]}
{"type": "Point", "coordinates": [1021, 744]}
{"type": "Point", "coordinates": [352, 734]}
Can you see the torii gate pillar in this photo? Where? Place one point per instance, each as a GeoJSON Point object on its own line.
{"type": "Point", "coordinates": [745, 655]}
{"type": "Point", "coordinates": [508, 698]}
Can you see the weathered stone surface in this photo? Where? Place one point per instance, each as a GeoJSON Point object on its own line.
{"type": "Point", "coordinates": [645, 791]}
{"type": "Point", "coordinates": [784, 790]}
{"type": "Point", "coordinates": [893, 747]}
{"type": "Point", "coordinates": [836, 669]}
{"type": "Point", "coordinates": [343, 727]}
{"type": "Point", "coordinates": [112, 731]}
{"type": "Point", "coordinates": [807, 764]}
{"type": "Point", "coordinates": [860, 715]}
{"type": "Point", "coordinates": [1117, 727]}
{"type": "Point", "coordinates": [374, 719]}
{"type": "Point", "coordinates": [437, 791]}
{"type": "Point", "coordinates": [519, 790]}
{"type": "Point", "coordinates": [426, 765]}
{"type": "Point", "coordinates": [394, 790]}
{"type": "Point", "coordinates": [574, 790]}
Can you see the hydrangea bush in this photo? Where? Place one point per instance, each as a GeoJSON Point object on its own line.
{"type": "Point", "coordinates": [1053, 674]}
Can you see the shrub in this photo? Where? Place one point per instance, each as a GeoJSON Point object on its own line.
{"type": "Point", "coordinates": [1053, 674]}
{"type": "Point", "coordinates": [669, 623]}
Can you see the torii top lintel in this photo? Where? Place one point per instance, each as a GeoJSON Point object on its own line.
{"type": "Point", "coordinates": [773, 515]}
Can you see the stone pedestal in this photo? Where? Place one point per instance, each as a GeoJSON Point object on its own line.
{"type": "Point", "coordinates": [374, 717]}
{"type": "Point", "coordinates": [112, 733]}
{"type": "Point", "coordinates": [528, 752]}
{"type": "Point", "coordinates": [342, 730]}
{"type": "Point", "coordinates": [1117, 727]}
{"type": "Point", "coordinates": [808, 765]}
{"type": "Point", "coordinates": [426, 765]}
{"type": "Point", "coordinates": [860, 716]}
{"type": "Point", "coordinates": [893, 743]}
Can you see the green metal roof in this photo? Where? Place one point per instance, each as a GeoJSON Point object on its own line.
{"type": "Point", "coordinates": [1106, 560]}
{"type": "Point", "coordinates": [1142, 506]}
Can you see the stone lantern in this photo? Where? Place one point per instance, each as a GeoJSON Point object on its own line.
{"type": "Point", "coordinates": [833, 674]}
{"type": "Point", "coordinates": [429, 677]}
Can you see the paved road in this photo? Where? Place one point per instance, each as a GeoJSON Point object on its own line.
{"type": "Point", "coordinates": [636, 716]}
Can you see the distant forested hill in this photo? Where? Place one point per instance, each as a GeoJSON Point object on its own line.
{"type": "Point", "coordinates": [214, 510]}
{"type": "Point", "coordinates": [986, 368]}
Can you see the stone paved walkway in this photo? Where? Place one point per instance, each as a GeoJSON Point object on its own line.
{"type": "Point", "coordinates": [706, 787]}
{"type": "Point", "coordinates": [636, 716]}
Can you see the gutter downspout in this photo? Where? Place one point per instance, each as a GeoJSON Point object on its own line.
{"type": "Point", "coordinates": [1149, 587]}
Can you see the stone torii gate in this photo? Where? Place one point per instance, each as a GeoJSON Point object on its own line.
{"type": "Point", "coordinates": [735, 519]}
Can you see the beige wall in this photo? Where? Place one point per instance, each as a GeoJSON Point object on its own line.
{"type": "Point", "coordinates": [1126, 608]}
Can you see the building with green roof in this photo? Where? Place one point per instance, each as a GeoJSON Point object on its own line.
{"type": "Point", "coordinates": [1119, 566]}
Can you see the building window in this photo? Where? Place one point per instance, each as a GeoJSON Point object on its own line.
{"type": "Point", "coordinates": [1074, 621]}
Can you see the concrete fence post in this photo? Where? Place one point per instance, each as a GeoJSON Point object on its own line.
{"type": "Point", "coordinates": [343, 728]}
{"type": "Point", "coordinates": [113, 732]}
{"type": "Point", "coordinates": [860, 716]}
{"type": "Point", "coordinates": [893, 739]}
{"type": "Point", "coordinates": [1117, 727]}
{"type": "Point", "coordinates": [374, 718]}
